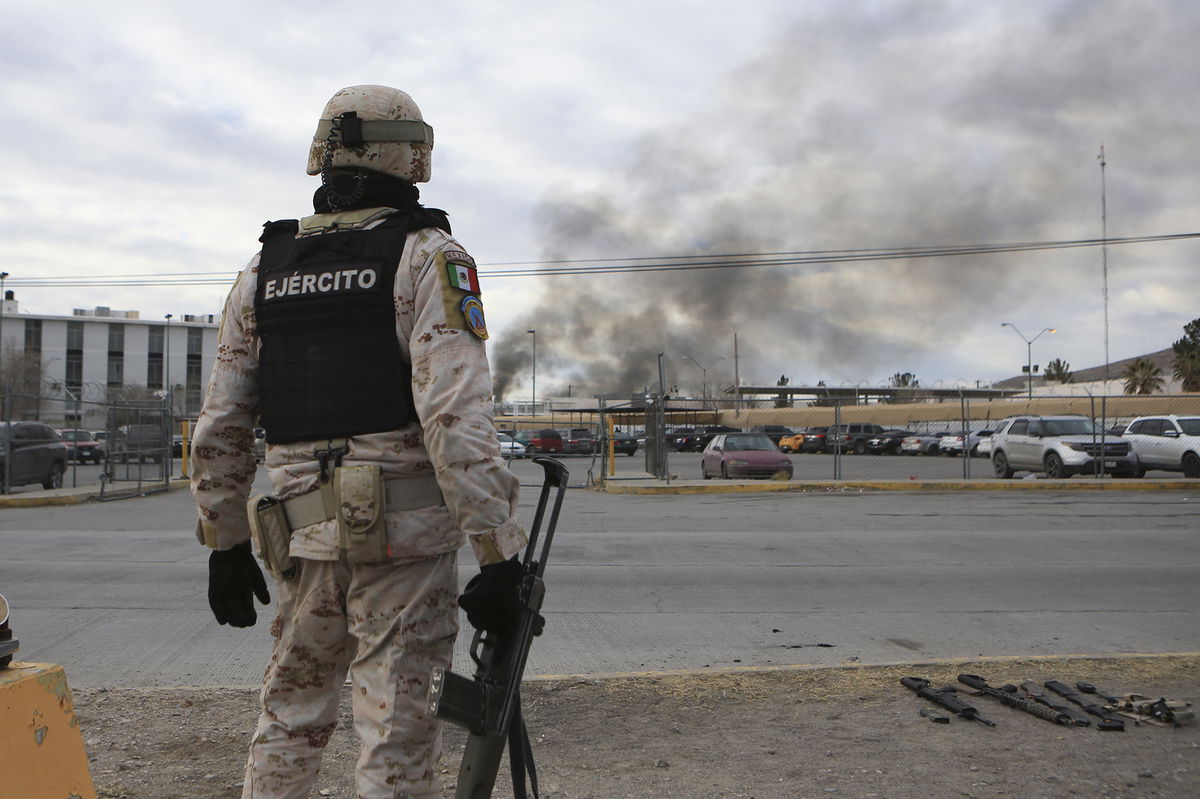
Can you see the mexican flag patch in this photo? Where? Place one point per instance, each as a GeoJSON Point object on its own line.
{"type": "Point", "coordinates": [463, 277]}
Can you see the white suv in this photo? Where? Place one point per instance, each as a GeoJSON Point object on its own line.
{"type": "Point", "coordinates": [1170, 442]}
{"type": "Point", "coordinates": [1060, 446]}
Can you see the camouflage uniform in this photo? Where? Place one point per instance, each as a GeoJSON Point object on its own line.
{"type": "Point", "coordinates": [388, 623]}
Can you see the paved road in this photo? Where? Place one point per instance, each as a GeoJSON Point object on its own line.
{"type": "Point", "coordinates": [116, 593]}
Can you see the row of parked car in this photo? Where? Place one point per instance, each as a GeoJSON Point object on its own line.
{"type": "Point", "coordinates": [40, 453]}
{"type": "Point", "coordinates": [569, 441]}
{"type": "Point", "coordinates": [1058, 446]}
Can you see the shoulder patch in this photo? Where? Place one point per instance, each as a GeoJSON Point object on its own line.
{"type": "Point", "coordinates": [458, 256]}
{"type": "Point", "coordinates": [458, 281]}
{"type": "Point", "coordinates": [472, 310]}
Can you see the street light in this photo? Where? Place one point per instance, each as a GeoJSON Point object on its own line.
{"type": "Point", "coordinates": [533, 400]}
{"type": "Point", "coordinates": [3, 276]}
{"type": "Point", "coordinates": [703, 377]}
{"type": "Point", "coordinates": [1028, 351]}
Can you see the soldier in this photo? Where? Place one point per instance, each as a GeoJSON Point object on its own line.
{"type": "Point", "coordinates": [355, 338]}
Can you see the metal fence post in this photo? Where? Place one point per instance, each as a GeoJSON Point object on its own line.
{"type": "Point", "coordinates": [837, 441]}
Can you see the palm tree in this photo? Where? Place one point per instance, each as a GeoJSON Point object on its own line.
{"type": "Point", "coordinates": [1187, 356]}
{"type": "Point", "coordinates": [1142, 377]}
{"type": "Point", "coordinates": [1059, 371]}
{"type": "Point", "coordinates": [904, 380]}
{"type": "Point", "coordinates": [1187, 369]}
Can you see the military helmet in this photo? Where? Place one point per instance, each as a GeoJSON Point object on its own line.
{"type": "Point", "coordinates": [375, 128]}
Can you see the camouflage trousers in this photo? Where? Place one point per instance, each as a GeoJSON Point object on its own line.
{"type": "Point", "coordinates": [388, 625]}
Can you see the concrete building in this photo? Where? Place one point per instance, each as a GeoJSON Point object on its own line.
{"type": "Point", "coordinates": [64, 370]}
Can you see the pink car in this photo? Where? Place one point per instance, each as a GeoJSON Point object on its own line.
{"type": "Point", "coordinates": [744, 455]}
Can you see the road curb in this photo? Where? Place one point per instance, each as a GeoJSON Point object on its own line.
{"type": "Point", "coordinates": [834, 486]}
{"type": "Point", "coordinates": [67, 496]}
{"type": "Point", "coordinates": [1115, 657]}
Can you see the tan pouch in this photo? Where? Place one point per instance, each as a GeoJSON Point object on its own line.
{"type": "Point", "coordinates": [271, 535]}
{"type": "Point", "coordinates": [362, 526]}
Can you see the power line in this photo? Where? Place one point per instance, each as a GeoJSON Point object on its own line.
{"type": "Point", "coordinates": [654, 263]}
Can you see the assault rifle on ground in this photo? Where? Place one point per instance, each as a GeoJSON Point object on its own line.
{"type": "Point", "coordinates": [946, 697]}
{"type": "Point", "coordinates": [489, 705]}
{"type": "Point", "coordinates": [1108, 722]}
{"type": "Point", "coordinates": [1019, 702]}
{"type": "Point", "coordinates": [1035, 692]}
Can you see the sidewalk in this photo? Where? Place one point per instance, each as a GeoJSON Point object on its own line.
{"type": "Point", "coordinates": [651, 485]}
{"type": "Point", "coordinates": [76, 495]}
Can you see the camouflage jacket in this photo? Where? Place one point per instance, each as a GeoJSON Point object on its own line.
{"type": "Point", "coordinates": [456, 439]}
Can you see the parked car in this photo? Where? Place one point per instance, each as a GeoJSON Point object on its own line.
{"type": "Point", "coordinates": [744, 455]}
{"type": "Point", "coordinates": [792, 443]}
{"type": "Point", "coordinates": [922, 444]}
{"type": "Point", "coordinates": [775, 432]}
{"type": "Point", "coordinates": [814, 439]}
{"type": "Point", "coordinates": [39, 455]}
{"type": "Point", "coordinates": [699, 438]}
{"type": "Point", "coordinates": [1170, 443]}
{"type": "Point", "coordinates": [851, 437]}
{"type": "Point", "coordinates": [1060, 446]}
{"type": "Point", "coordinates": [544, 441]}
{"type": "Point", "coordinates": [82, 446]}
{"type": "Point", "coordinates": [887, 442]}
{"type": "Point", "coordinates": [984, 448]}
{"type": "Point", "coordinates": [139, 442]}
{"type": "Point", "coordinates": [510, 448]}
{"type": "Point", "coordinates": [579, 441]}
{"type": "Point", "coordinates": [953, 444]}
{"type": "Point", "coordinates": [624, 443]}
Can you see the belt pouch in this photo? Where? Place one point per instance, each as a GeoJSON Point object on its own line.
{"type": "Point", "coordinates": [362, 526]}
{"type": "Point", "coordinates": [271, 535]}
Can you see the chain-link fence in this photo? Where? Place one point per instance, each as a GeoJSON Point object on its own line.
{"type": "Point", "coordinates": [65, 440]}
{"type": "Point", "coordinates": [944, 439]}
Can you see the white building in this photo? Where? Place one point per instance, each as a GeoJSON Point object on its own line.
{"type": "Point", "coordinates": [77, 364]}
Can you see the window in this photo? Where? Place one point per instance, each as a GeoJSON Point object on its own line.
{"type": "Point", "coordinates": [1019, 428]}
{"type": "Point", "coordinates": [33, 336]}
{"type": "Point", "coordinates": [116, 354]}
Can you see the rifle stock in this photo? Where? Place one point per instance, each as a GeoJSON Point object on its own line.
{"type": "Point", "coordinates": [488, 705]}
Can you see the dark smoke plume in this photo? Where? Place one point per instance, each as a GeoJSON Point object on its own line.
{"type": "Point", "coordinates": [922, 124]}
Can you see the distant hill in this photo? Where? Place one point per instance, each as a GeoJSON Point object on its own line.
{"type": "Point", "coordinates": [1163, 359]}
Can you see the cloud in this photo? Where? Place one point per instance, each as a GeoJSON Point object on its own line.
{"type": "Point", "coordinates": [905, 124]}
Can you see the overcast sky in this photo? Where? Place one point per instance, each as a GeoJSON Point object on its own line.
{"type": "Point", "coordinates": [154, 138]}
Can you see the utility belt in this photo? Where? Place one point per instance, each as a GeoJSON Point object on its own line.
{"type": "Point", "coordinates": [356, 497]}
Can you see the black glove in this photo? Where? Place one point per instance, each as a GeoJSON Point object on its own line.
{"type": "Point", "coordinates": [492, 598]}
{"type": "Point", "coordinates": [233, 580]}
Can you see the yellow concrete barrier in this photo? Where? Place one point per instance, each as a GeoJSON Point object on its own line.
{"type": "Point", "coordinates": [41, 749]}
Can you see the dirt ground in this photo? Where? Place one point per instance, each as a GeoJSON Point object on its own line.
{"type": "Point", "coordinates": [784, 734]}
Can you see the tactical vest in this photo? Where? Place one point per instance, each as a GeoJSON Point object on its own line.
{"type": "Point", "coordinates": [330, 364]}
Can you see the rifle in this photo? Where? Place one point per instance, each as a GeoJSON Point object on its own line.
{"type": "Point", "coordinates": [488, 706]}
{"type": "Point", "coordinates": [1034, 692]}
{"type": "Point", "coordinates": [946, 697]}
{"type": "Point", "coordinates": [1019, 702]}
{"type": "Point", "coordinates": [1108, 722]}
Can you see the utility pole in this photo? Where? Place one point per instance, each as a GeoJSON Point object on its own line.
{"type": "Point", "coordinates": [533, 399]}
{"type": "Point", "coordinates": [737, 380]}
{"type": "Point", "coordinates": [1104, 255]}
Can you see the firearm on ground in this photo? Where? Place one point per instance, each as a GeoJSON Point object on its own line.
{"type": "Point", "coordinates": [1012, 700]}
{"type": "Point", "coordinates": [947, 697]}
